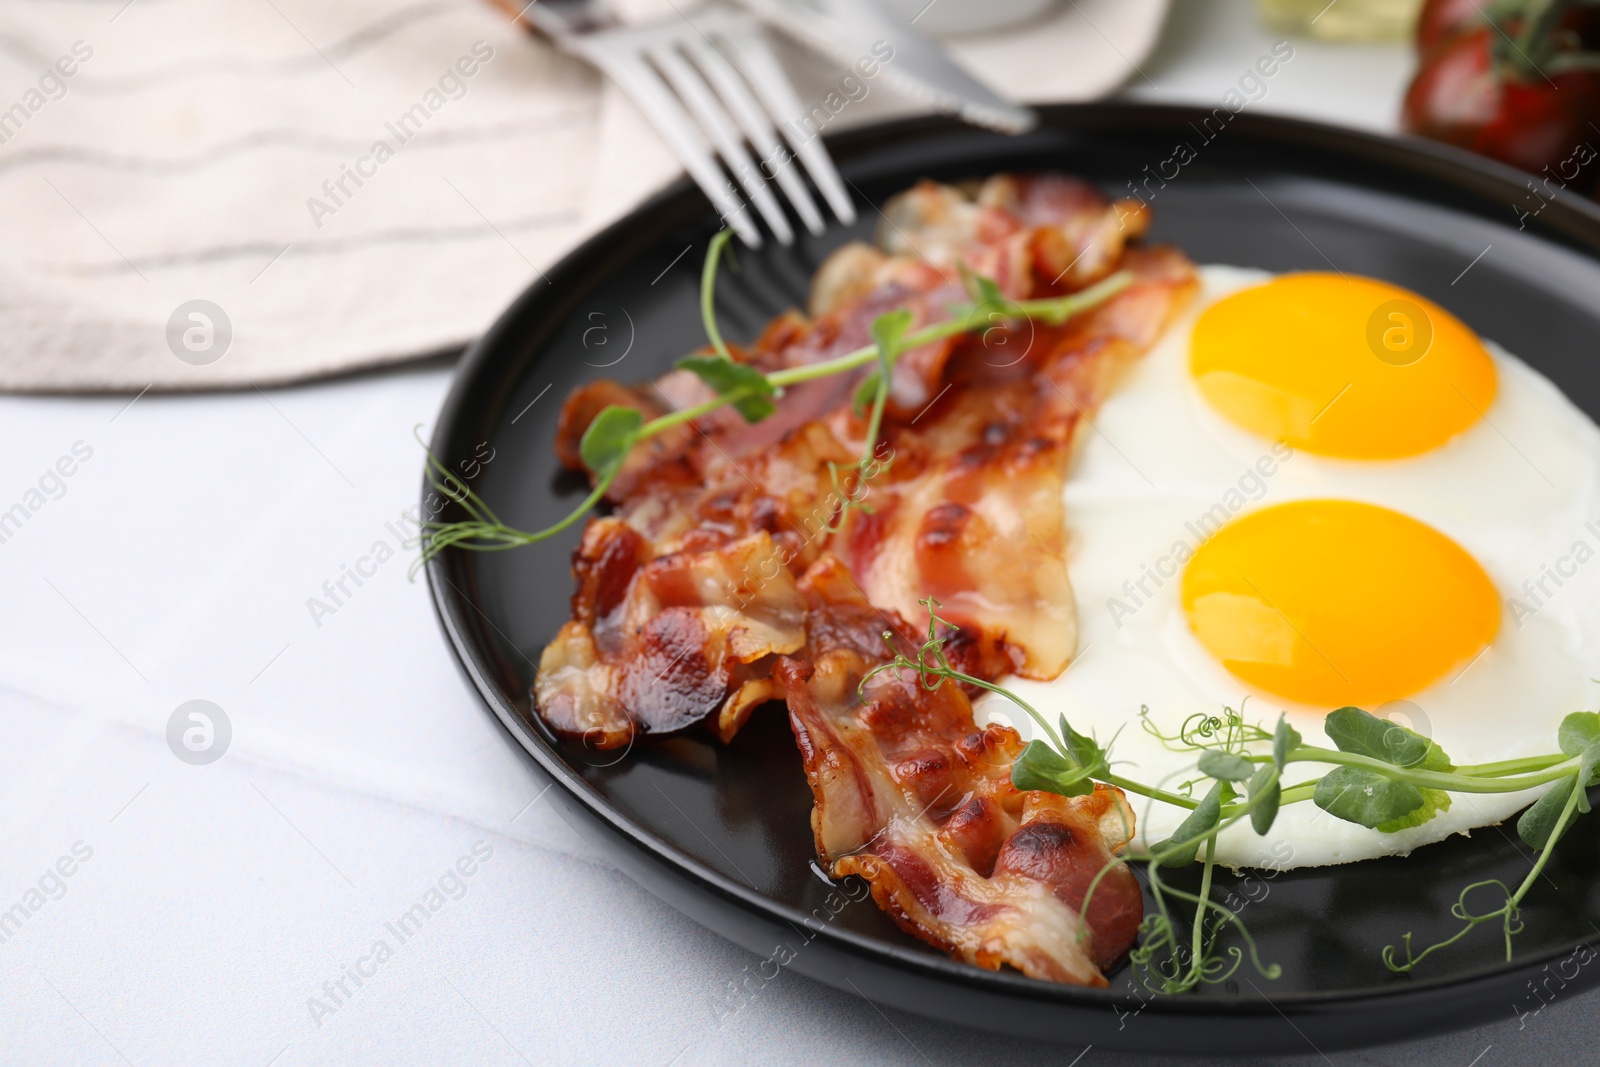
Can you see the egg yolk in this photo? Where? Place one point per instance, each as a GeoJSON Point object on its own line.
{"type": "Point", "coordinates": [1333, 602]}
{"type": "Point", "coordinates": [1340, 366]}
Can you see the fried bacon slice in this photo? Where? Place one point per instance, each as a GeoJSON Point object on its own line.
{"type": "Point", "coordinates": [914, 797]}
{"type": "Point", "coordinates": [972, 512]}
{"type": "Point", "coordinates": [918, 801]}
{"type": "Point", "coordinates": [731, 572]}
{"type": "Point", "coordinates": [656, 642]}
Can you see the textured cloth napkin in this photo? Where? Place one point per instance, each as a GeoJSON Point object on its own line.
{"type": "Point", "coordinates": [204, 195]}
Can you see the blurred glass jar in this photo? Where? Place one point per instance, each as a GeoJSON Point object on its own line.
{"type": "Point", "coordinates": [1342, 20]}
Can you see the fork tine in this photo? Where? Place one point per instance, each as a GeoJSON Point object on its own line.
{"type": "Point", "coordinates": [757, 126]}
{"type": "Point", "coordinates": [751, 54]}
{"type": "Point", "coordinates": [645, 87]}
{"type": "Point", "coordinates": [714, 121]}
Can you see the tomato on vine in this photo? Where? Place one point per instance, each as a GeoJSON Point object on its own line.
{"type": "Point", "coordinates": [1517, 81]}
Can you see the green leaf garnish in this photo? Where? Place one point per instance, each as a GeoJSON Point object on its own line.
{"type": "Point", "coordinates": [1366, 797]}
{"type": "Point", "coordinates": [1285, 739]}
{"type": "Point", "coordinates": [1042, 767]}
{"type": "Point", "coordinates": [1578, 731]}
{"type": "Point", "coordinates": [1267, 794]}
{"type": "Point", "coordinates": [1434, 801]}
{"type": "Point", "coordinates": [889, 331]}
{"type": "Point", "coordinates": [1588, 774]}
{"type": "Point", "coordinates": [747, 389]}
{"type": "Point", "coordinates": [982, 290]}
{"type": "Point", "coordinates": [1227, 766]}
{"type": "Point", "coordinates": [1185, 840]}
{"type": "Point", "coordinates": [1354, 730]}
{"type": "Point", "coordinates": [1539, 821]}
{"type": "Point", "coordinates": [606, 442]}
{"type": "Point", "coordinates": [1069, 771]}
{"type": "Point", "coordinates": [1084, 750]}
{"type": "Point", "coordinates": [1369, 797]}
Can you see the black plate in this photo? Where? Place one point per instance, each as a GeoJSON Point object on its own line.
{"type": "Point", "coordinates": [723, 834]}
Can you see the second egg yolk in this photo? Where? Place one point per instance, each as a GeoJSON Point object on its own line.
{"type": "Point", "coordinates": [1334, 602]}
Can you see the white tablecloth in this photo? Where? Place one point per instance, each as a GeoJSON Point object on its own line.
{"type": "Point", "coordinates": [211, 914]}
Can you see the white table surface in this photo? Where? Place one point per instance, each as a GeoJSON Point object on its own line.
{"type": "Point", "coordinates": [217, 900]}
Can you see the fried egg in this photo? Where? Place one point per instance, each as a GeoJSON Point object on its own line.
{"type": "Point", "coordinates": [1319, 491]}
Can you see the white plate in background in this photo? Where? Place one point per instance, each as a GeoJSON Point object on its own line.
{"type": "Point", "coordinates": [1079, 50]}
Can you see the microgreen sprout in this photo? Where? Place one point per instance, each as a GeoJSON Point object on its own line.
{"type": "Point", "coordinates": [616, 430]}
{"type": "Point", "coordinates": [1383, 776]}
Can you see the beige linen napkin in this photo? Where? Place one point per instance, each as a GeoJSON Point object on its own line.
{"type": "Point", "coordinates": [204, 195]}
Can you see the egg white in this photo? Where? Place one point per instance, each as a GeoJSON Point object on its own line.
{"type": "Point", "coordinates": [1519, 490]}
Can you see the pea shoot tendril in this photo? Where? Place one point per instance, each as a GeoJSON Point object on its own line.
{"type": "Point", "coordinates": [616, 430]}
{"type": "Point", "coordinates": [1383, 776]}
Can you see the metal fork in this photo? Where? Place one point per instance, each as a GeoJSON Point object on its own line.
{"type": "Point", "coordinates": [711, 86]}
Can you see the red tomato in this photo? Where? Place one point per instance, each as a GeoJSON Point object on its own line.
{"type": "Point", "coordinates": [1460, 97]}
{"type": "Point", "coordinates": [1441, 20]}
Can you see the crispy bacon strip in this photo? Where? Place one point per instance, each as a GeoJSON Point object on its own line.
{"type": "Point", "coordinates": [915, 798]}
{"type": "Point", "coordinates": [731, 573]}
{"type": "Point", "coordinates": [657, 643]}
{"type": "Point", "coordinates": [972, 512]}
